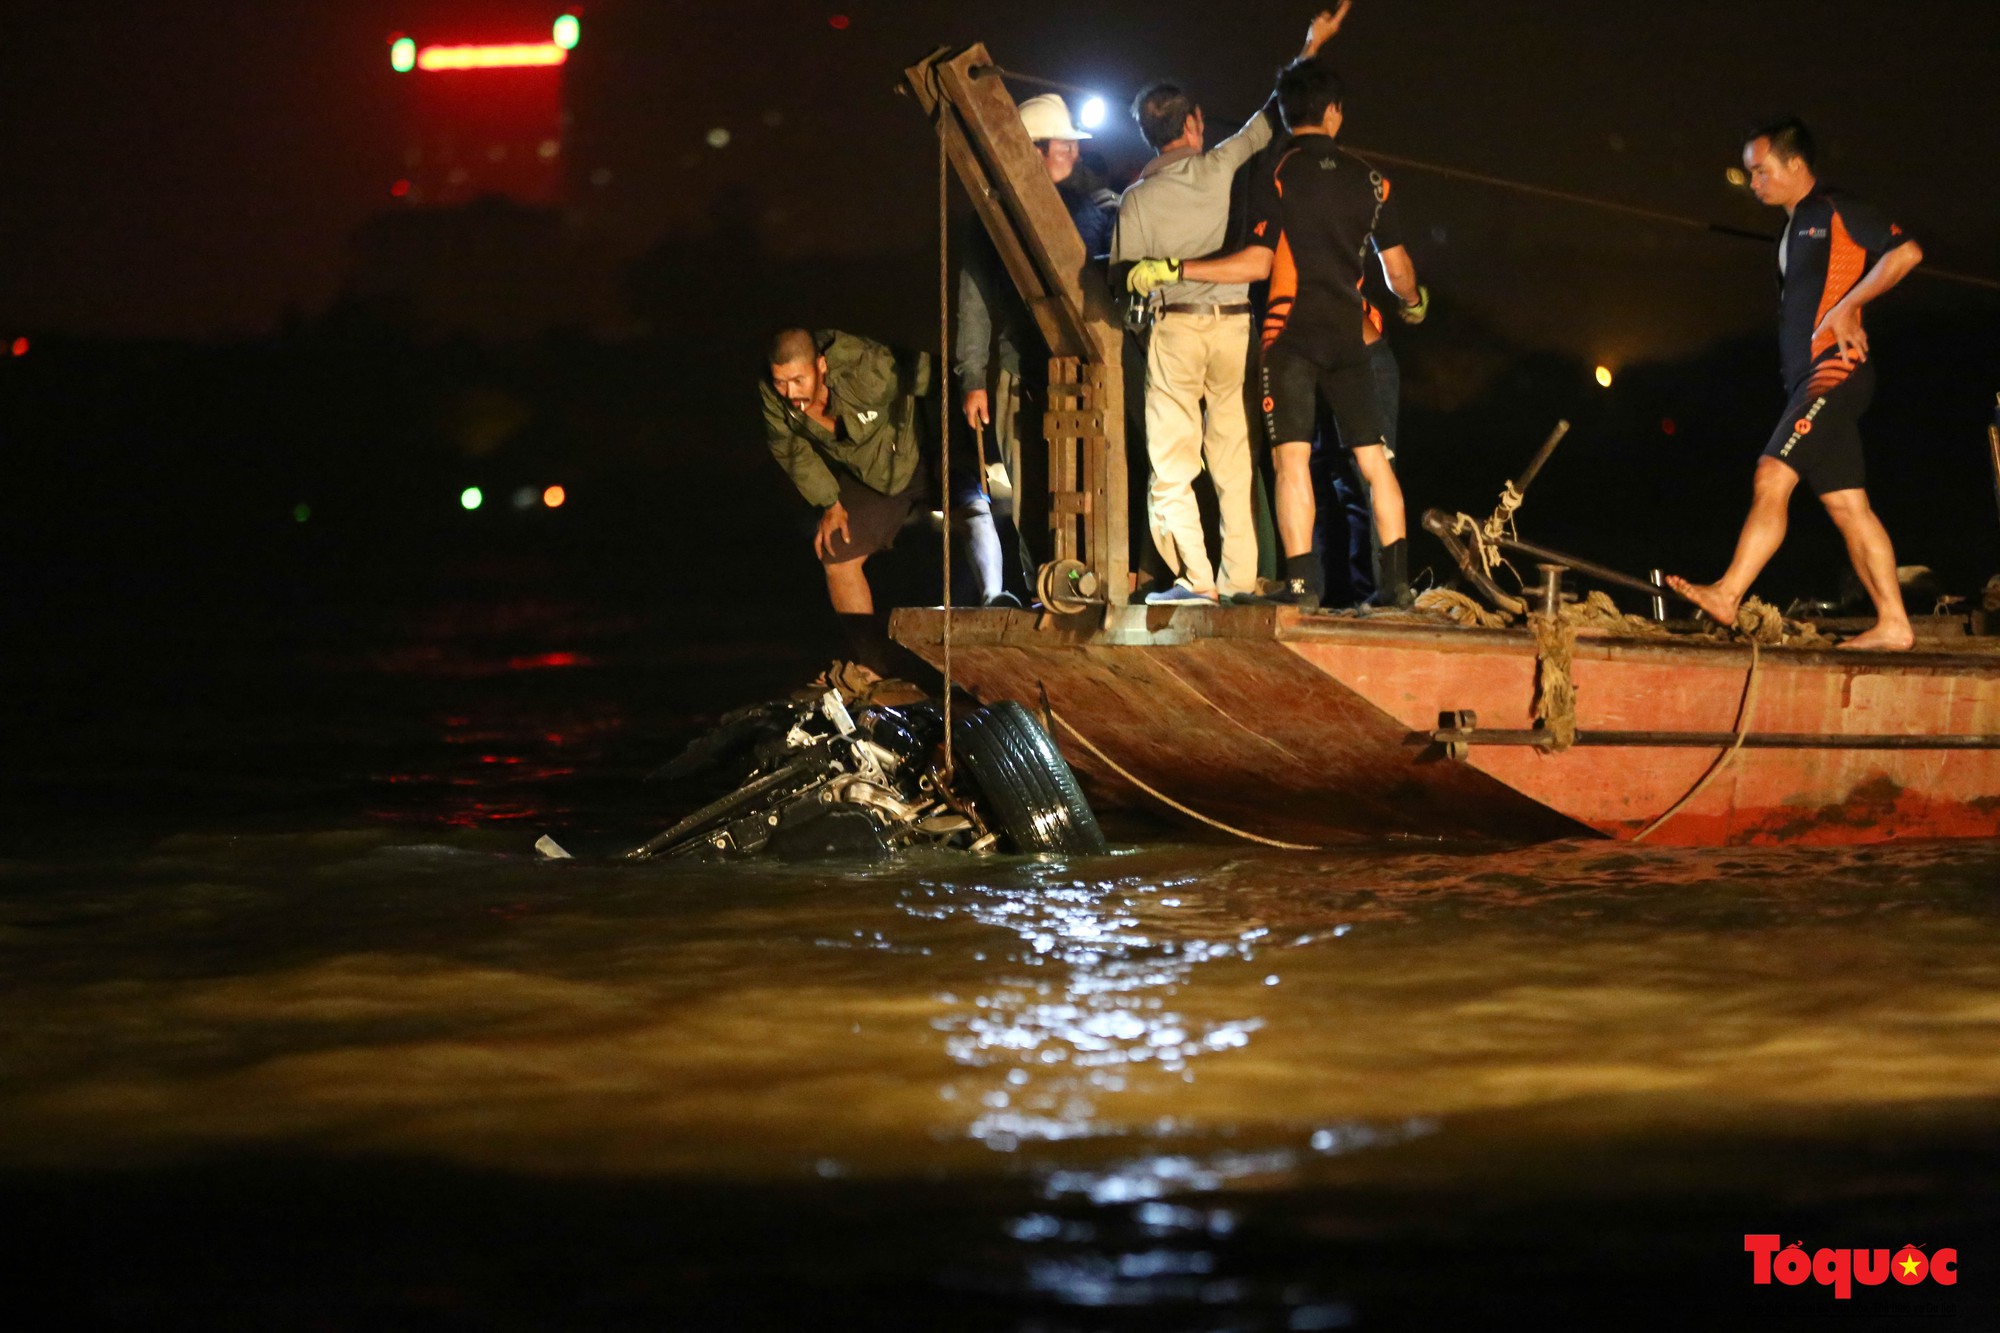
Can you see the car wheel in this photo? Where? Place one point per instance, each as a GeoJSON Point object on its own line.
{"type": "Point", "coordinates": [1028, 791]}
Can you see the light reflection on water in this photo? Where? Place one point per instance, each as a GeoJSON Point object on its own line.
{"type": "Point", "coordinates": [1091, 1006]}
{"type": "Point", "coordinates": [1144, 1074]}
{"type": "Point", "coordinates": [1148, 1044]}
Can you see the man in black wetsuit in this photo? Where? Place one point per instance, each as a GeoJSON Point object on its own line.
{"type": "Point", "coordinates": [1314, 219]}
{"type": "Point", "coordinates": [1837, 255]}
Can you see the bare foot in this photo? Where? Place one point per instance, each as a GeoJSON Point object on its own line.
{"type": "Point", "coordinates": [1720, 606]}
{"type": "Point", "coordinates": [1884, 638]}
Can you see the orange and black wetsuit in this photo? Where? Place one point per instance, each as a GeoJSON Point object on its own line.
{"type": "Point", "coordinates": [1322, 211]}
{"type": "Point", "coordinates": [1830, 243]}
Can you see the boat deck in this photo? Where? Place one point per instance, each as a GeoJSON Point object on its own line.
{"type": "Point", "coordinates": [1307, 727]}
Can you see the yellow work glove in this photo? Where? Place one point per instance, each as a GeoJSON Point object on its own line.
{"type": "Point", "coordinates": [1148, 274]}
{"type": "Point", "coordinates": [1414, 312]}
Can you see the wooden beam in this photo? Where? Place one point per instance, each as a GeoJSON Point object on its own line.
{"type": "Point", "coordinates": [1059, 330]}
{"type": "Point", "coordinates": [1040, 219]}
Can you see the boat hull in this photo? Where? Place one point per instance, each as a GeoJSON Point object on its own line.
{"type": "Point", "coordinates": [1311, 728]}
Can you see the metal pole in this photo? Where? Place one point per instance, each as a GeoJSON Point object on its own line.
{"type": "Point", "coordinates": [1587, 568]}
{"type": "Point", "coordinates": [1551, 591]}
{"type": "Point", "coordinates": [1541, 457]}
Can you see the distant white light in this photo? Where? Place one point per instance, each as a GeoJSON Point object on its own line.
{"type": "Point", "coordinates": [718, 137]}
{"type": "Point", "coordinates": [524, 497]}
{"type": "Point", "coordinates": [1092, 114]}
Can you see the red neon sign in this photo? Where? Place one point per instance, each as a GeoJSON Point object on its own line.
{"type": "Point", "coordinates": [522, 55]}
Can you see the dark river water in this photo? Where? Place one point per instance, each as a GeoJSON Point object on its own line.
{"type": "Point", "coordinates": [296, 1032]}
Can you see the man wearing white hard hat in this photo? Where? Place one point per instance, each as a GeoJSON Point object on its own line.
{"type": "Point", "coordinates": [997, 344]}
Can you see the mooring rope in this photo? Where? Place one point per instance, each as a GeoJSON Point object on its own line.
{"type": "Point", "coordinates": [1171, 803]}
{"type": "Point", "coordinates": [1539, 191]}
{"type": "Point", "coordinates": [1634, 210]}
{"type": "Point", "coordinates": [940, 385]}
{"type": "Point", "coordinates": [1745, 708]}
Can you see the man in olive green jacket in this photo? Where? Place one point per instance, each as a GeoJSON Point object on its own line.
{"type": "Point", "coordinates": [842, 416]}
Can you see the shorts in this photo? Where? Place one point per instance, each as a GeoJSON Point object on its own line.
{"type": "Point", "coordinates": [1294, 385]}
{"type": "Point", "coordinates": [1819, 436]}
{"type": "Point", "coordinates": [874, 519]}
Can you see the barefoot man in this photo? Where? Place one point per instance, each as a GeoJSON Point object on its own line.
{"type": "Point", "coordinates": [1837, 255]}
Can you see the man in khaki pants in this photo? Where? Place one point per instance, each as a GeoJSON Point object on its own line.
{"type": "Point", "coordinates": [1201, 335]}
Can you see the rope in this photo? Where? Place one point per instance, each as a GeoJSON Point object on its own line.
{"type": "Point", "coordinates": [1171, 803]}
{"type": "Point", "coordinates": [941, 387]}
{"type": "Point", "coordinates": [1632, 210]}
{"type": "Point", "coordinates": [1539, 191]}
{"type": "Point", "coordinates": [1456, 606]}
{"type": "Point", "coordinates": [1744, 709]}
{"type": "Point", "coordinates": [1760, 622]}
{"type": "Point", "coordinates": [1555, 688]}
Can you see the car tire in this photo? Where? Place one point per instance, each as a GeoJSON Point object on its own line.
{"type": "Point", "coordinates": [1027, 790]}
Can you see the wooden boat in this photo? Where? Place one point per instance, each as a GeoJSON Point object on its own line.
{"type": "Point", "coordinates": [1299, 728]}
{"type": "Point", "coordinates": [1304, 728]}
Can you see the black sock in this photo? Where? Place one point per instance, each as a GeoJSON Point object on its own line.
{"type": "Point", "coordinates": [1305, 567]}
{"type": "Point", "coordinates": [1395, 589]}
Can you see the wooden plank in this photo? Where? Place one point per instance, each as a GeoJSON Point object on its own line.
{"type": "Point", "coordinates": [1073, 425]}
{"type": "Point", "coordinates": [1107, 523]}
{"type": "Point", "coordinates": [1063, 373]}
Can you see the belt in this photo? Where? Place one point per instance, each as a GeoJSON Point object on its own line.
{"type": "Point", "coordinates": [1177, 308]}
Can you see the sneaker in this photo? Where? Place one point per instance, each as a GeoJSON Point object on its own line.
{"type": "Point", "coordinates": [1180, 592]}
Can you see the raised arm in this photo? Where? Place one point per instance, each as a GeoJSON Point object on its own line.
{"type": "Point", "coordinates": [1246, 143]}
{"type": "Point", "coordinates": [1321, 30]}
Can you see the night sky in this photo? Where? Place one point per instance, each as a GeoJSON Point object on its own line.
{"type": "Point", "coordinates": [176, 169]}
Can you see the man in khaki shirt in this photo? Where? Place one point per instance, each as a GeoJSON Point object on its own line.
{"type": "Point", "coordinates": [1201, 335]}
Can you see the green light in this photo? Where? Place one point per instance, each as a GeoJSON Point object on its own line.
{"type": "Point", "coordinates": [471, 497]}
{"type": "Point", "coordinates": [301, 512]}
{"type": "Point", "coordinates": [567, 31]}
{"type": "Point", "coordinates": [403, 54]}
